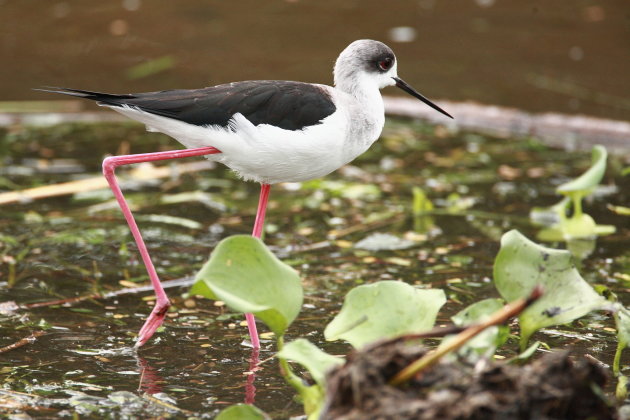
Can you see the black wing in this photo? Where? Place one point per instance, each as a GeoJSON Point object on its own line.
{"type": "Point", "coordinates": [288, 105]}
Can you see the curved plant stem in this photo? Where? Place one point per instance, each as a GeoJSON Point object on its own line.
{"type": "Point", "coordinates": [288, 375]}
{"type": "Point", "coordinates": [615, 365]}
{"type": "Point", "coordinates": [576, 197]}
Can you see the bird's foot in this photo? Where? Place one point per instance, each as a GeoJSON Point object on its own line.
{"type": "Point", "coordinates": [152, 323]}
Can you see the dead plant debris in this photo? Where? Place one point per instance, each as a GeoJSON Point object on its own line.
{"type": "Point", "coordinates": [557, 386]}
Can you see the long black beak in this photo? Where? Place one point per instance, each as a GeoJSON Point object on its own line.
{"type": "Point", "coordinates": [404, 86]}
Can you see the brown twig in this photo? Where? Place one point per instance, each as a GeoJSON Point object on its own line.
{"type": "Point", "coordinates": [436, 332]}
{"type": "Point", "coordinates": [146, 172]}
{"type": "Point", "coordinates": [499, 317]}
{"type": "Point", "coordinates": [364, 227]}
{"type": "Point", "coordinates": [184, 281]}
{"type": "Point", "coordinates": [26, 340]}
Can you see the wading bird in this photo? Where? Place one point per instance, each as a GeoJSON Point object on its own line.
{"type": "Point", "coordinates": [267, 131]}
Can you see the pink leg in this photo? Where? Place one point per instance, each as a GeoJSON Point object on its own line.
{"type": "Point", "coordinates": [257, 232]}
{"type": "Point", "coordinates": [109, 165]}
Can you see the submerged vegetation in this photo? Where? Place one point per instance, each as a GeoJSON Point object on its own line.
{"type": "Point", "coordinates": [430, 228]}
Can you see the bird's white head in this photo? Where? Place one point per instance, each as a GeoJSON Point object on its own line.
{"type": "Point", "coordinates": [366, 64]}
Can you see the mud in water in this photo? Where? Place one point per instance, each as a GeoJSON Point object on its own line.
{"type": "Point", "coordinates": [557, 386]}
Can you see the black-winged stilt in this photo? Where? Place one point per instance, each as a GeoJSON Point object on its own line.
{"type": "Point", "coordinates": [267, 131]}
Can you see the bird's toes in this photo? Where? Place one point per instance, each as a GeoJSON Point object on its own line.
{"type": "Point", "coordinates": [152, 323]}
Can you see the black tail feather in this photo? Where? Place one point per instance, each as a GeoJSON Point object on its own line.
{"type": "Point", "coordinates": [102, 98]}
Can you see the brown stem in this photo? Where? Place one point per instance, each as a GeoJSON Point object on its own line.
{"type": "Point", "coordinates": [26, 340]}
{"type": "Point", "coordinates": [499, 317]}
{"type": "Point", "coordinates": [184, 281]}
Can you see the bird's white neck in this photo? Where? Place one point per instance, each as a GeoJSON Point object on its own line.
{"type": "Point", "coordinates": [364, 91]}
{"type": "Point", "coordinates": [366, 112]}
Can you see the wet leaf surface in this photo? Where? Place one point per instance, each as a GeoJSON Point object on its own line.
{"type": "Point", "coordinates": [244, 274]}
{"type": "Point", "coordinates": [311, 357]}
{"type": "Point", "coordinates": [522, 264]}
{"type": "Point", "coordinates": [384, 309]}
{"type": "Point", "coordinates": [486, 342]}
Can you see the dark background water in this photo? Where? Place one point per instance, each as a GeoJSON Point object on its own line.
{"type": "Point", "coordinates": [570, 56]}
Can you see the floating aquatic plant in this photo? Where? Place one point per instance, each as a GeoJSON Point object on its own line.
{"type": "Point", "coordinates": [244, 274]}
{"type": "Point", "coordinates": [383, 310]}
{"type": "Point", "coordinates": [579, 225]}
{"type": "Point", "coordinates": [522, 264]}
{"type": "Point", "coordinates": [486, 343]}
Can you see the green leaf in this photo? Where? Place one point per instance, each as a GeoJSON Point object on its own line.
{"type": "Point", "coordinates": [552, 215]}
{"type": "Point", "coordinates": [487, 341]}
{"type": "Point", "coordinates": [620, 210]}
{"type": "Point", "coordinates": [577, 228]}
{"type": "Point", "coordinates": [522, 264]}
{"type": "Point", "coordinates": [527, 353]}
{"type": "Point", "coordinates": [244, 274]}
{"type": "Point", "coordinates": [579, 225]}
{"type": "Point", "coordinates": [621, 391]}
{"type": "Point", "coordinates": [242, 412]}
{"type": "Point", "coordinates": [383, 310]}
{"type": "Point", "coordinates": [589, 179]}
{"type": "Point", "coordinates": [421, 203]}
{"type": "Point", "coordinates": [622, 321]}
{"type": "Point", "coordinates": [316, 361]}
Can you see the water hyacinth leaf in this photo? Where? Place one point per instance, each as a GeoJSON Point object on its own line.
{"type": "Point", "coordinates": [589, 179]}
{"type": "Point", "coordinates": [579, 225]}
{"type": "Point", "coordinates": [522, 264]}
{"type": "Point", "coordinates": [244, 273]}
{"type": "Point", "coordinates": [242, 412]}
{"type": "Point", "coordinates": [383, 310]}
{"type": "Point", "coordinates": [316, 361]}
{"type": "Point", "coordinates": [486, 342]}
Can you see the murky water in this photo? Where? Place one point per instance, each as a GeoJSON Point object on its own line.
{"type": "Point", "coordinates": [566, 56]}
{"type": "Point", "coordinates": [65, 247]}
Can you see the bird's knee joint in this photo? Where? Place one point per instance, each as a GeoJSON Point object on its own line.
{"type": "Point", "coordinates": [109, 165]}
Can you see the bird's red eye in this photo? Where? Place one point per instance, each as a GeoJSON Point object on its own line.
{"type": "Point", "coordinates": [385, 64]}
